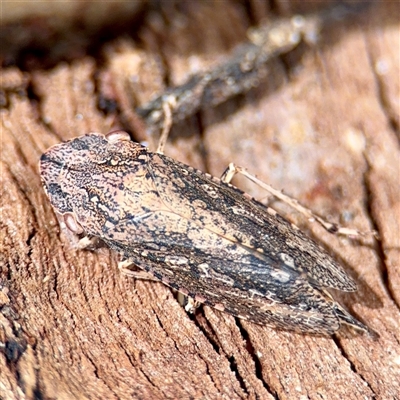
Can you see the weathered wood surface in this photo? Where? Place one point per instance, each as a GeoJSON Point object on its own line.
{"type": "Point", "coordinates": [324, 127]}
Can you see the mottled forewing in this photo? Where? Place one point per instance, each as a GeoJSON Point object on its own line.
{"type": "Point", "coordinates": [228, 212]}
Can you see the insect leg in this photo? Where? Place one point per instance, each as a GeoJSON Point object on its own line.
{"type": "Point", "coordinates": [233, 169]}
{"type": "Point", "coordinates": [188, 303]}
{"type": "Point", "coordinates": [167, 107]}
{"type": "Point", "coordinates": [191, 304]}
{"type": "Point", "coordinates": [90, 243]}
{"type": "Point", "coordinates": [123, 266]}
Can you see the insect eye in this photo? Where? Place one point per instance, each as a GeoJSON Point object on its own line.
{"type": "Point", "coordinates": [116, 136]}
{"type": "Point", "coordinates": [72, 224]}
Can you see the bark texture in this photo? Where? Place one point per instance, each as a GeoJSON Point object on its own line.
{"type": "Point", "coordinates": [324, 126]}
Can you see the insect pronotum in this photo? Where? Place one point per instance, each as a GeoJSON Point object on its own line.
{"type": "Point", "coordinates": [196, 233]}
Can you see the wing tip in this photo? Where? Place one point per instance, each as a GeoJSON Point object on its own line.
{"type": "Point", "coordinates": [347, 319]}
